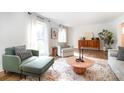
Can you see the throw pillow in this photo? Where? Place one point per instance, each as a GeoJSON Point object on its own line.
{"type": "Point", "coordinates": [25, 55]}
{"type": "Point", "coordinates": [120, 55]}
{"type": "Point", "coordinates": [10, 51]}
{"type": "Point", "coordinates": [20, 50]}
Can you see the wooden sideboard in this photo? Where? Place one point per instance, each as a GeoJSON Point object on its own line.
{"type": "Point", "coordinates": [90, 44]}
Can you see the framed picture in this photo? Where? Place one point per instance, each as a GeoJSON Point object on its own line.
{"type": "Point", "coordinates": [54, 33]}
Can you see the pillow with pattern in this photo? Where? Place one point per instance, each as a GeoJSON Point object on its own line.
{"type": "Point", "coordinates": [22, 52]}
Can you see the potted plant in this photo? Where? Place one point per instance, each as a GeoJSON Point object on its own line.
{"type": "Point", "coordinates": [107, 38]}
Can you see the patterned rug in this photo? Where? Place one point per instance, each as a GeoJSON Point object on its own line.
{"type": "Point", "coordinates": [62, 71]}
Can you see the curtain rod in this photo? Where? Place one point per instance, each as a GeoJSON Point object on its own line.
{"type": "Point", "coordinates": [44, 18]}
{"type": "Point", "coordinates": [29, 13]}
{"type": "Point", "coordinates": [39, 16]}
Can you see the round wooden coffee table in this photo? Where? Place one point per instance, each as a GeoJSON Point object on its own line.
{"type": "Point", "coordinates": [79, 67]}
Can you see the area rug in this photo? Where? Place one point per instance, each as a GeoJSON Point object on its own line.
{"type": "Point", "coordinates": [100, 71]}
{"type": "Point", "coordinates": [62, 71]}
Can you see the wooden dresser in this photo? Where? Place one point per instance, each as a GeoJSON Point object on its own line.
{"type": "Point", "coordinates": [90, 44]}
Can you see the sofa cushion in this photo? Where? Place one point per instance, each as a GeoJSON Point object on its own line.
{"type": "Point", "coordinates": [38, 65]}
{"type": "Point", "coordinates": [10, 51]}
{"type": "Point", "coordinates": [63, 45]}
{"type": "Point", "coordinates": [67, 50]}
{"type": "Point", "coordinates": [120, 55]}
{"type": "Point", "coordinates": [28, 60]}
{"type": "Point", "coordinates": [66, 46]}
{"type": "Point", "coordinates": [35, 52]}
{"type": "Point", "coordinates": [114, 54]}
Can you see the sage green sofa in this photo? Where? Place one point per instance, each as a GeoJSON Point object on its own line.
{"type": "Point", "coordinates": [34, 66]}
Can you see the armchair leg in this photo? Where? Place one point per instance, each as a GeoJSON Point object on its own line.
{"type": "Point", "coordinates": [21, 74]}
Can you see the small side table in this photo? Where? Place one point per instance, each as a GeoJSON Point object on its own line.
{"type": "Point", "coordinates": [54, 51]}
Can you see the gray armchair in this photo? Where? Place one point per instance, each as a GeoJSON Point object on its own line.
{"type": "Point", "coordinates": [65, 50]}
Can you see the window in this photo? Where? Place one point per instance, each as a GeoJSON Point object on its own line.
{"type": "Point", "coordinates": [41, 33]}
{"type": "Point", "coordinates": [38, 36]}
{"type": "Point", "coordinates": [62, 35]}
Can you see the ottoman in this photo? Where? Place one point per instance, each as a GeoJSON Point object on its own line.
{"type": "Point", "coordinates": [36, 66]}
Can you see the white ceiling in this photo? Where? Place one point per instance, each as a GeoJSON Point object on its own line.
{"type": "Point", "coordinates": [81, 18]}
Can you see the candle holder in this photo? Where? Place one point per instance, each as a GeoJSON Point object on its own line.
{"type": "Point", "coordinates": [80, 59]}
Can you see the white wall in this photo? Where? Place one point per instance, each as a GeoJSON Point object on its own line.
{"type": "Point", "coordinates": [75, 33]}
{"type": "Point", "coordinates": [13, 28]}
{"type": "Point", "coordinates": [52, 42]}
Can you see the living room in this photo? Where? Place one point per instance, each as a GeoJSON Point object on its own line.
{"type": "Point", "coordinates": [21, 28]}
{"type": "Point", "coordinates": [95, 65]}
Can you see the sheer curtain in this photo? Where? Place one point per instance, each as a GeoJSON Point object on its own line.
{"type": "Point", "coordinates": [62, 35]}
{"type": "Point", "coordinates": [37, 35]}
{"type": "Point", "coordinates": [31, 35]}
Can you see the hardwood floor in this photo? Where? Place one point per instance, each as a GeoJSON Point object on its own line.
{"type": "Point", "coordinates": [9, 76]}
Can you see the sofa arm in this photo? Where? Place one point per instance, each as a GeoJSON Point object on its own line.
{"type": "Point", "coordinates": [11, 63]}
{"type": "Point", "coordinates": [35, 52]}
